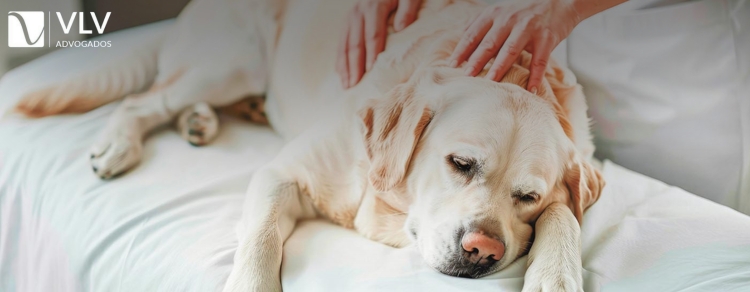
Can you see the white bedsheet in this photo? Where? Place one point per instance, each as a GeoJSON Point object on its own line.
{"type": "Point", "coordinates": [168, 224]}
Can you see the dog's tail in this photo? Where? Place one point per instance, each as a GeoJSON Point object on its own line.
{"type": "Point", "coordinates": [89, 90]}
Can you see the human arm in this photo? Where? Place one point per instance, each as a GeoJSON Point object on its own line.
{"type": "Point", "coordinates": [505, 29]}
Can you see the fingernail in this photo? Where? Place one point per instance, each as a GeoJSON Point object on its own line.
{"type": "Point", "coordinates": [469, 70]}
{"type": "Point", "coordinates": [453, 63]}
{"type": "Point", "coordinates": [491, 76]}
{"type": "Point", "coordinates": [533, 90]}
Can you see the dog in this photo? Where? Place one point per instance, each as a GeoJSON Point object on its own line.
{"type": "Point", "coordinates": [474, 173]}
{"type": "Point", "coordinates": [211, 58]}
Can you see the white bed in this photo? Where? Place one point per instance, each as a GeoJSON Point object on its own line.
{"type": "Point", "coordinates": [168, 224]}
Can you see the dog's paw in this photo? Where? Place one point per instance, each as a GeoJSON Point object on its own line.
{"type": "Point", "coordinates": [198, 124]}
{"type": "Point", "coordinates": [238, 284]}
{"type": "Point", "coordinates": [551, 281]}
{"type": "Point", "coordinates": [115, 154]}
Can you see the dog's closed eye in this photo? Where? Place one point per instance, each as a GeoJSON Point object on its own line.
{"type": "Point", "coordinates": [462, 164]}
{"type": "Point", "coordinates": [525, 198]}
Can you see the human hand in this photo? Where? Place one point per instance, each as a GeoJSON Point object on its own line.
{"type": "Point", "coordinates": [364, 37]}
{"type": "Point", "coordinates": [507, 28]}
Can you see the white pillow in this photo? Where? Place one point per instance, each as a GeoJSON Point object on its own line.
{"type": "Point", "coordinates": [665, 92]}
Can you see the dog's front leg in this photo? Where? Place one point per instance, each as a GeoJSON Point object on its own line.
{"type": "Point", "coordinates": [554, 262]}
{"type": "Point", "coordinates": [272, 206]}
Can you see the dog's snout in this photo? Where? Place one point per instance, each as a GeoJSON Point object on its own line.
{"type": "Point", "coordinates": [477, 255]}
{"type": "Point", "coordinates": [482, 249]}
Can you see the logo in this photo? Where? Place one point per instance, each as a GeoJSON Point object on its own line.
{"type": "Point", "coordinates": [26, 29]}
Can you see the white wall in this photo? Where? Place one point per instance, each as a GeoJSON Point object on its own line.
{"type": "Point", "coordinates": [14, 56]}
{"type": "Point", "coordinates": [3, 56]}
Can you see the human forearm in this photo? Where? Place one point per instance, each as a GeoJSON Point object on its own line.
{"type": "Point", "coordinates": [588, 8]}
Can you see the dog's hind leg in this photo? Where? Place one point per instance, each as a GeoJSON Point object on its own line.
{"type": "Point", "coordinates": [251, 109]}
{"type": "Point", "coordinates": [198, 124]}
{"type": "Point", "coordinates": [119, 147]}
{"type": "Point", "coordinates": [114, 79]}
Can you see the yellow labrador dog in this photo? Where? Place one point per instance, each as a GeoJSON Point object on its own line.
{"type": "Point", "coordinates": [474, 173]}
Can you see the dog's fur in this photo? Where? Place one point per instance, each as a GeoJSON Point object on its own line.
{"type": "Point", "coordinates": [379, 157]}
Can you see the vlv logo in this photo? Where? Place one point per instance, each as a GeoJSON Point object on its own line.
{"type": "Point", "coordinates": [25, 29]}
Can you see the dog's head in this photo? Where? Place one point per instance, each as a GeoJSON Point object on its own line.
{"type": "Point", "coordinates": [480, 161]}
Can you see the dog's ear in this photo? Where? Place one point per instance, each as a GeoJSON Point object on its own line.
{"type": "Point", "coordinates": [391, 127]}
{"type": "Point", "coordinates": [584, 183]}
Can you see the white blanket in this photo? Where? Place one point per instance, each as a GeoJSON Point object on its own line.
{"type": "Point", "coordinates": [168, 224]}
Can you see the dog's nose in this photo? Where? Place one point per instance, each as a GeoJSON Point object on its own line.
{"type": "Point", "coordinates": [482, 249]}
